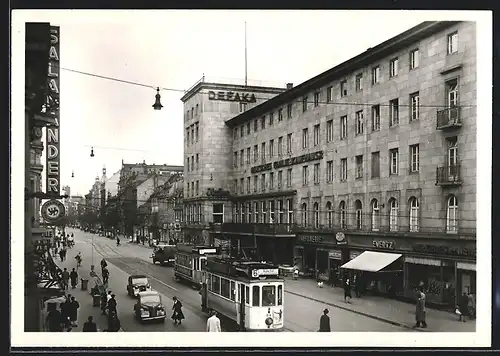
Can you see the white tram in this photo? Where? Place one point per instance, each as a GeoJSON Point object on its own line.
{"type": "Point", "coordinates": [249, 294]}
{"type": "Point", "coordinates": [190, 261]}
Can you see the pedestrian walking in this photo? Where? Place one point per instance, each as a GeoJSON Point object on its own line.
{"type": "Point", "coordinates": [324, 322]}
{"type": "Point", "coordinates": [113, 322]}
{"type": "Point", "coordinates": [65, 278]}
{"type": "Point", "coordinates": [117, 241]}
{"type": "Point", "coordinates": [54, 319]}
{"type": "Point", "coordinates": [112, 304]}
{"type": "Point", "coordinates": [104, 264]}
{"type": "Point", "coordinates": [61, 255]}
{"type": "Point", "coordinates": [74, 278]}
{"type": "Point", "coordinates": [104, 302]}
{"type": "Point", "coordinates": [89, 325]}
{"type": "Point", "coordinates": [420, 312]}
{"type": "Point", "coordinates": [463, 307]}
{"type": "Point", "coordinates": [73, 311]}
{"type": "Point", "coordinates": [347, 291]}
{"type": "Point", "coordinates": [471, 305]}
{"type": "Point", "coordinates": [356, 285]}
{"type": "Point", "coordinates": [177, 315]}
{"type": "Point", "coordinates": [105, 275]}
{"type": "Point", "coordinates": [213, 323]}
{"type": "Point", "coordinates": [65, 310]}
{"type": "Point", "coordinates": [65, 252]}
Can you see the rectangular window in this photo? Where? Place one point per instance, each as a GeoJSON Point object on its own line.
{"type": "Point", "coordinates": [304, 104]}
{"type": "Point", "coordinates": [280, 179]}
{"type": "Point", "coordinates": [187, 136]}
{"type": "Point", "coordinates": [414, 59]}
{"type": "Point", "coordinates": [329, 94]}
{"type": "Point", "coordinates": [414, 158]}
{"type": "Point", "coordinates": [249, 128]}
{"type": "Point", "coordinates": [243, 107]}
{"type": "Point", "coordinates": [375, 75]}
{"type": "Point", "coordinates": [289, 143]}
{"type": "Point", "coordinates": [242, 158]}
{"type": "Point", "coordinates": [375, 164]}
{"type": "Point", "coordinates": [235, 159]}
{"type": "Point", "coordinates": [247, 294]}
{"type": "Point", "coordinates": [263, 182]}
{"type": "Point", "coordinates": [271, 119]}
{"type": "Point", "coordinates": [289, 211]}
{"type": "Point", "coordinates": [215, 284]}
{"type": "Point", "coordinates": [359, 82]}
{"type": "Point", "coordinates": [359, 166]}
{"type": "Point", "coordinates": [316, 135]}
{"type": "Point", "coordinates": [316, 173]}
{"type": "Point", "coordinates": [196, 130]}
{"type": "Point", "coordinates": [452, 42]}
{"type": "Point", "coordinates": [343, 127]}
{"type": "Point", "coordinates": [394, 112]}
{"type": "Point", "coordinates": [242, 185]}
{"type": "Point", "coordinates": [280, 146]}
{"type": "Point", "coordinates": [414, 106]}
{"type": "Point", "coordinates": [256, 296]}
{"type": "Point", "coordinates": [225, 287]}
{"type": "Point", "coordinates": [235, 184]}
{"type": "Point", "coordinates": [359, 123]}
{"type": "Point", "coordinates": [289, 177]}
{"type": "Point", "coordinates": [242, 131]}
{"type": "Point", "coordinates": [263, 152]}
{"type": "Point", "coordinates": [394, 161]}
{"type": "Point", "coordinates": [255, 125]}
{"type": "Point", "coordinates": [257, 212]}
{"type": "Point", "coordinates": [249, 160]}
{"type": "Point", "coordinates": [316, 99]}
{"type": "Point", "coordinates": [235, 133]}
{"type": "Point", "coordinates": [329, 171]}
{"type": "Point", "coordinates": [255, 182]}
{"type": "Point", "coordinates": [280, 115]}
{"type": "Point", "coordinates": [393, 67]}
{"type": "Point", "coordinates": [268, 296]}
{"type": "Point", "coordinates": [197, 161]}
{"type": "Point", "coordinates": [271, 148]}
{"type": "Point", "coordinates": [376, 118]}
{"type": "Point", "coordinates": [262, 122]}
{"type": "Point", "coordinates": [289, 111]}
{"type": "Point", "coordinates": [232, 294]}
{"type": "Point", "coordinates": [271, 180]}
{"type": "Point", "coordinates": [343, 169]}
{"type": "Point", "coordinates": [343, 88]}
{"type": "Point", "coordinates": [305, 138]}
{"type": "Point", "coordinates": [264, 212]}
{"type": "Point", "coordinates": [218, 213]}
{"type": "Point", "coordinates": [305, 175]}
{"type": "Point", "coordinates": [188, 164]}
{"type": "Point", "coordinates": [329, 131]}
{"type": "Point", "coordinates": [197, 187]}
{"type": "Point", "coordinates": [281, 217]}
{"type": "Point", "coordinates": [248, 185]}
{"type": "Point", "coordinates": [255, 153]}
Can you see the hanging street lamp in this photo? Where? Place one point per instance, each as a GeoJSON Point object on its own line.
{"type": "Point", "coordinates": [157, 105]}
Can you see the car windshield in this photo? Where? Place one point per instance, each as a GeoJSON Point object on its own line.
{"type": "Point", "coordinates": [153, 298]}
{"type": "Point", "coordinates": [141, 280]}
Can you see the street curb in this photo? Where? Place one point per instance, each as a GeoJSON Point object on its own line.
{"type": "Point", "coordinates": [385, 320]}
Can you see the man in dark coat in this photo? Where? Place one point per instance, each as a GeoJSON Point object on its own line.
{"type": "Point", "coordinates": [89, 325]}
{"type": "Point", "coordinates": [73, 311]}
{"type": "Point", "coordinates": [178, 315]}
{"type": "Point", "coordinates": [65, 278]}
{"type": "Point", "coordinates": [105, 275]}
{"type": "Point", "coordinates": [112, 304]}
{"type": "Point", "coordinates": [463, 307]}
{"type": "Point", "coordinates": [54, 320]}
{"type": "Point", "coordinates": [324, 322]}
{"type": "Point", "coordinates": [347, 290]}
{"type": "Point", "coordinates": [420, 312]}
{"type": "Point", "coordinates": [73, 276]}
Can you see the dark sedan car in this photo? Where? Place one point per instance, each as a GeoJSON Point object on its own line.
{"type": "Point", "coordinates": [136, 284]}
{"type": "Point", "coordinates": [149, 307]}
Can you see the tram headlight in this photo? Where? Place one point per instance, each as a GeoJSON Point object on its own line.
{"type": "Point", "coordinates": [269, 321]}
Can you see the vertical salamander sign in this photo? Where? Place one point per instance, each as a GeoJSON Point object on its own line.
{"type": "Point", "coordinates": [53, 177]}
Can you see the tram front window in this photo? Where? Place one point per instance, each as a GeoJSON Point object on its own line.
{"type": "Point", "coordinates": [280, 295]}
{"type": "Point", "coordinates": [268, 296]}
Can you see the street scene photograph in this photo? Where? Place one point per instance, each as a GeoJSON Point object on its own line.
{"type": "Point", "coordinates": [251, 172]}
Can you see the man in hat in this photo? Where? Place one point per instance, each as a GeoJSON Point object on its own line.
{"type": "Point", "coordinates": [324, 322]}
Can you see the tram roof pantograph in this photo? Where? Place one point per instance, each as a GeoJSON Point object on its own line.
{"type": "Point", "coordinates": [197, 250]}
{"type": "Point", "coordinates": [251, 270]}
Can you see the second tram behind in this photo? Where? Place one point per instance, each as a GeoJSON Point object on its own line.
{"type": "Point", "coordinates": [190, 261]}
{"type": "Point", "coordinates": [249, 294]}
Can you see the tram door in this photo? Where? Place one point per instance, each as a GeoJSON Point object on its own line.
{"type": "Point", "coordinates": [242, 305]}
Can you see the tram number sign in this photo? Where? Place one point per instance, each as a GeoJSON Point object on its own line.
{"type": "Point", "coordinates": [207, 250]}
{"type": "Point", "coordinates": [264, 272]}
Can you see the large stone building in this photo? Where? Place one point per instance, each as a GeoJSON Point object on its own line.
{"type": "Point", "coordinates": [376, 154]}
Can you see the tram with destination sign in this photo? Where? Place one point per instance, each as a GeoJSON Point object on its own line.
{"type": "Point", "coordinates": [190, 261]}
{"type": "Point", "coordinates": [249, 294]}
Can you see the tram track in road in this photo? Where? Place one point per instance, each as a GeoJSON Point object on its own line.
{"type": "Point", "coordinates": [133, 265]}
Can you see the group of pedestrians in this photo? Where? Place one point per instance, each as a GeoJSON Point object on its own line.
{"type": "Point", "coordinates": [66, 317]}
{"type": "Point", "coordinates": [69, 276]}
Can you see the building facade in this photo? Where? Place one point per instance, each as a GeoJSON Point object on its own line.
{"type": "Point", "coordinates": [375, 154]}
{"type": "Point", "coordinates": [207, 150]}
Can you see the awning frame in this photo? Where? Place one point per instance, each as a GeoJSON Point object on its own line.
{"type": "Point", "coordinates": [371, 261]}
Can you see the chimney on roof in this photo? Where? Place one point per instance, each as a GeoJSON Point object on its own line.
{"type": "Point", "coordinates": [289, 85]}
{"type": "Point", "coordinates": [144, 161]}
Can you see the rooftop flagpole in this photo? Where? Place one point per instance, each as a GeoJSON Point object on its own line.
{"type": "Point", "coordinates": [245, 53]}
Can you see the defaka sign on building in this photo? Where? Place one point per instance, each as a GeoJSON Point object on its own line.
{"type": "Point", "coordinates": [53, 177]}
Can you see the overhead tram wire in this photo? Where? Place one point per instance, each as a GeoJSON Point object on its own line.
{"type": "Point", "coordinates": [260, 98]}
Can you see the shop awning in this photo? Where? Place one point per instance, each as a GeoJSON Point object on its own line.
{"type": "Point", "coordinates": [371, 261]}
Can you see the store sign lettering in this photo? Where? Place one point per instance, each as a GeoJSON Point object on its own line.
{"type": "Point", "coordinates": [299, 159]}
{"type": "Point", "coordinates": [232, 96]}
{"type": "Point", "coordinates": [262, 168]}
{"type": "Point", "coordinates": [445, 250]}
{"type": "Point", "coordinates": [265, 272]}
{"type": "Point", "coordinates": [388, 245]}
{"type": "Point", "coordinates": [311, 238]}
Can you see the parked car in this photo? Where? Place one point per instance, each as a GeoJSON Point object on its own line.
{"type": "Point", "coordinates": [164, 254]}
{"type": "Point", "coordinates": [149, 307]}
{"type": "Point", "coordinates": [136, 284]}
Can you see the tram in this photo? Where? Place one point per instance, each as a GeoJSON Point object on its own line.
{"type": "Point", "coordinates": [248, 294]}
{"type": "Point", "coordinates": [190, 261]}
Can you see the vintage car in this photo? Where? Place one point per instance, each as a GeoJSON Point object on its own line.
{"type": "Point", "coordinates": [136, 284]}
{"type": "Point", "coordinates": [149, 307]}
{"type": "Point", "coordinates": [164, 254]}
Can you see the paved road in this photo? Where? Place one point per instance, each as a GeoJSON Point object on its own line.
{"type": "Point", "coordinates": [301, 314]}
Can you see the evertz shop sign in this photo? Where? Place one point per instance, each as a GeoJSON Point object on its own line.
{"type": "Point", "coordinates": [388, 245]}
{"type": "Point", "coordinates": [232, 96]}
{"type": "Point", "coordinates": [53, 105]}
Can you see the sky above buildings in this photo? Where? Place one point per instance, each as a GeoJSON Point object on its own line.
{"type": "Point", "coordinates": [173, 49]}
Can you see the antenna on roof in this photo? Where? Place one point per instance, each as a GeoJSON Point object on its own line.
{"type": "Point", "coordinates": [245, 53]}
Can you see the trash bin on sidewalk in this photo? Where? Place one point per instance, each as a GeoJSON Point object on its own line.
{"type": "Point", "coordinates": [85, 283]}
{"type": "Point", "coordinates": [96, 300]}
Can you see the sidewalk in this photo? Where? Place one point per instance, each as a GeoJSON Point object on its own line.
{"type": "Point", "coordinates": [388, 310]}
{"type": "Point", "coordinates": [82, 297]}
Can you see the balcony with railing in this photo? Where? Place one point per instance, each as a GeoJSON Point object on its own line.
{"type": "Point", "coordinates": [448, 176]}
{"type": "Point", "coordinates": [258, 228]}
{"type": "Point", "coordinates": [448, 118]}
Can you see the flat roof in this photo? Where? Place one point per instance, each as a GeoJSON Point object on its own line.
{"type": "Point", "coordinates": [371, 55]}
